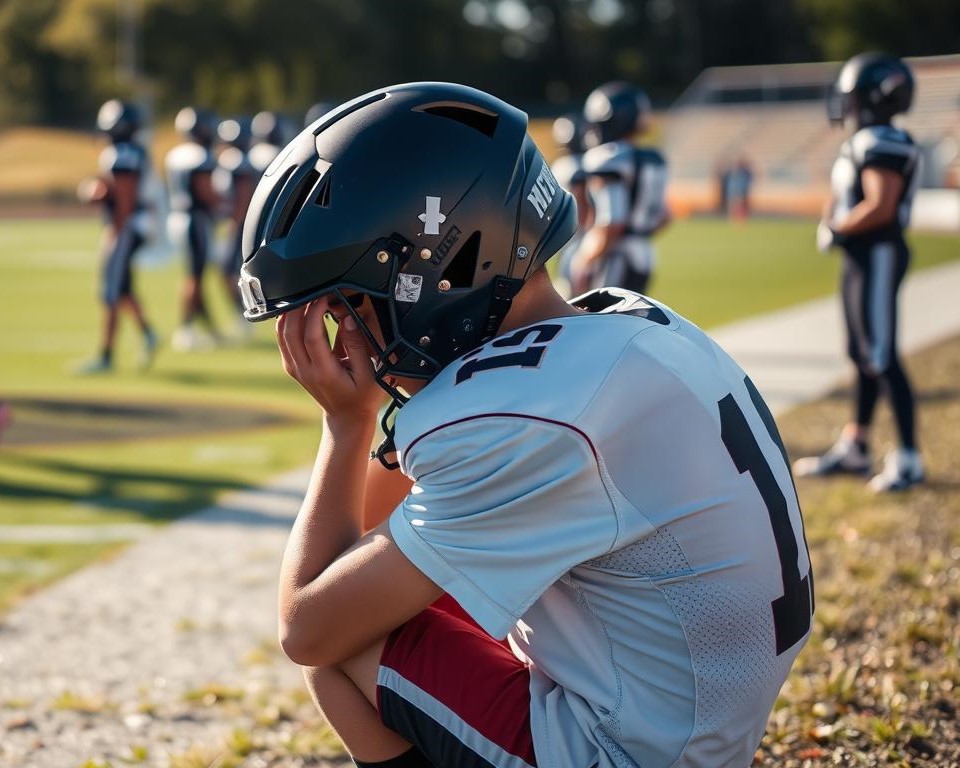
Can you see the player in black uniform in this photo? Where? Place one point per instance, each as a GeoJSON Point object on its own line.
{"type": "Point", "coordinates": [627, 185]}
{"type": "Point", "coordinates": [127, 189]}
{"type": "Point", "coordinates": [193, 204]}
{"type": "Point", "coordinates": [872, 183]}
{"type": "Point", "coordinates": [234, 181]}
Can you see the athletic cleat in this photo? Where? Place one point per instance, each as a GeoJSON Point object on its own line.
{"type": "Point", "coordinates": [902, 469]}
{"type": "Point", "coordinates": [149, 351]}
{"type": "Point", "coordinates": [845, 457]}
{"type": "Point", "coordinates": [93, 367]}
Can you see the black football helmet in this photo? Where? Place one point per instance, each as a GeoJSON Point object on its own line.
{"type": "Point", "coordinates": [428, 198]}
{"type": "Point", "coordinates": [871, 87]}
{"type": "Point", "coordinates": [272, 128]}
{"type": "Point", "coordinates": [236, 132]}
{"type": "Point", "coordinates": [120, 120]}
{"type": "Point", "coordinates": [614, 111]}
{"type": "Point", "coordinates": [567, 131]}
{"type": "Point", "coordinates": [200, 125]}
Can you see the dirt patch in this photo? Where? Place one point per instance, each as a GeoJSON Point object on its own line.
{"type": "Point", "coordinates": [46, 421]}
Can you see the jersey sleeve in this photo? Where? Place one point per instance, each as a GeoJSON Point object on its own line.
{"type": "Point", "coordinates": [121, 158]}
{"type": "Point", "coordinates": [501, 508]}
{"type": "Point", "coordinates": [875, 149]}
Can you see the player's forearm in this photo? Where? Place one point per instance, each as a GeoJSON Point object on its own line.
{"type": "Point", "coordinates": [864, 217]}
{"type": "Point", "coordinates": [329, 520]}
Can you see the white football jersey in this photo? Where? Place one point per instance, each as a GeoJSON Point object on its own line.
{"type": "Point", "coordinates": [611, 492]}
{"type": "Point", "coordinates": [182, 163]}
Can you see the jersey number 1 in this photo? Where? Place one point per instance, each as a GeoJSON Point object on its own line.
{"type": "Point", "coordinates": [792, 610]}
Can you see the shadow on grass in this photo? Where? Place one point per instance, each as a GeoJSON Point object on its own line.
{"type": "Point", "coordinates": [50, 421]}
{"type": "Point", "coordinates": [115, 490]}
{"type": "Point", "coordinates": [250, 381]}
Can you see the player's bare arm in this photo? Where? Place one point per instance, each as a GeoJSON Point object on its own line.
{"type": "Point", "coordinates": [882, 189]}
{"type": "Point", "coordinates": [124, 196]}
{"type": "Point", "coordinates": [339, 593]}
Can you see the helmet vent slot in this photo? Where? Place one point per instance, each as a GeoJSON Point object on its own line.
{"type": "Point", "coordinates": [270, 202]}
{"type": "Point", "coordinates": [462, 268]}
{"type": "Point", "coordinates": [473, 117]}
{"type": "Point", "coordinates": [294, 203]}
{"type": "Point", "coordinates": [322, 198]}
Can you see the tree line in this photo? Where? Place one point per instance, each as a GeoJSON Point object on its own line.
{"type": "Point", "coordinates": [60, 59]}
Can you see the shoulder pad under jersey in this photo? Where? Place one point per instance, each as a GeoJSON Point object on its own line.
{"type": "Point", "coordinates": [568, 169]}
{"type": "Point", "coordinates": [615, 159]}
{"type": "Point", "coordinates": [875, 141]}
{"type": "Point", "coordinates": [122, 157]}
{"type": "Point", "coordinates": [261, 155]}
{"type": "Point", "coordinates": [190, 157]}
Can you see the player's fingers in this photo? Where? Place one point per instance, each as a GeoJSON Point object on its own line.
{"type": "Point", "coordinates": [354, 345]}
{"type": "Point", "coordinates": [316, 339]}
{"type": "Point", "coordinates": [291, 333]}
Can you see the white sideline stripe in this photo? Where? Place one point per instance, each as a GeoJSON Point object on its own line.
{"type": "Point", "coordinates": [450, 720]}
{"type": "Point", "coordinates": [74, 534]}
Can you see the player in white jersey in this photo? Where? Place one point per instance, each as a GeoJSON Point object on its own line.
{"type": "Point", "coordinates": [271, 132]}
{"type": "Point", "coordinates": [872, 188]}
{"type": "Point", "coordinates": [568, 171]}
{"type": "Point", "coordinates": [234, 180]}
{"type": "Point", "coordinates": [628, 186]}
{"type": "Point", "coordinates": [193, 207]}
{"type": "Point", "coordinates": [592, 554]}
{"type": "Point", "coordinates": [127, 189]}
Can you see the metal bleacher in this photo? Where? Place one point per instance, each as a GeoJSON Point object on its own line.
{"type": "Point", "coordinates": [774, 117]}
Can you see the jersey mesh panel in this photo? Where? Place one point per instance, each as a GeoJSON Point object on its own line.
{"type": "Point", "coordinates": [731, 619]}
{"type": "Point", "coordinates": [734, 619]}
{"type": "Point", "coordinates": [658, 555]}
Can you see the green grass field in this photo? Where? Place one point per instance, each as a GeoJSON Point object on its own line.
{"type": "Point", "coordinates": [713, 271]}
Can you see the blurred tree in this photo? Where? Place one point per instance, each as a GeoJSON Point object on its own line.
{"type": "Point", "coordinates": [37, 82]}
{"type": "Point", "coordinates": [918, 28]}
{"type": "Point", "coordinates": [59, 59]}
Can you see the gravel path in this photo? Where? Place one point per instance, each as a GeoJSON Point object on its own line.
{"type": "Point", "coordinates": [159, 655]}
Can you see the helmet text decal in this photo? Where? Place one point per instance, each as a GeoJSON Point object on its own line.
{"type": "Point", "coordinates": [543, 191]}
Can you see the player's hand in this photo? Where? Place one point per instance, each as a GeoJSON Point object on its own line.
{"type": "Point", "coordinates": [826, 237]}
{"type": "Point", "coordinates": [339, 376]}
{"type": "Point", "coordinates": [91, 190]}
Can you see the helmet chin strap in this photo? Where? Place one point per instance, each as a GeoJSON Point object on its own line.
{"type": "Point", "coordinates": [388, 426]}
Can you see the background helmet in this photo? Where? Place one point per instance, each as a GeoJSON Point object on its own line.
{"type": "Point", "coordinates": [429, 198]}
{"type": "Point", "coordinates": [567, 133]}
{"type": "Point", "coordinates": [235, 132]}
{"type": "Point", "coordinates": [872, 87]}
{"type": "Point", "coordinates": [317, 111]}
{"type": "Point", "coordinates": [200, 125]}
{"type": "Point", "coordinates": [120, 120]}
{"type": "Point", "coordinates": [614, 111]}
{"type": "Point", "coordinates": [272, 128]}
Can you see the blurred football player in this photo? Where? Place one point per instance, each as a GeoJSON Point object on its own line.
{"type": "Point", "coordinates": [653, 606]}
{"type": "Point", "coordinates": [568, 171]}
{"type": "Point", "coordinates": [193, 207]}
{"type": "Point", "coordinates": [628, 186]}
{"type": "Point", "coordinates": [271, 132]}
{"type": "Point", "coordinates": [234, 181]}
{"type": "Point", "coordinates": [128, 191]}
{"type": "Point", "coordinates": [872, 187]}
